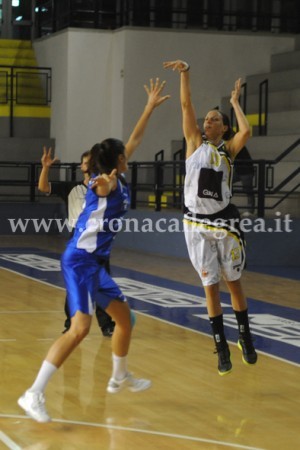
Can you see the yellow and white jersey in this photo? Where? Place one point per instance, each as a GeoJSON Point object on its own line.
{"type": "Point", "coordinates": [207, 187]}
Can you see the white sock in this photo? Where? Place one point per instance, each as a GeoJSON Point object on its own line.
{"type": "Point", "coordinates": [119, 367]}
{"type": "Point", "coordinates": [45, 373]}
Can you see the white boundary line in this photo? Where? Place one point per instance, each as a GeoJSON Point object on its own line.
{"type": "Point", "coordinates": [137, 430]}
{"type": "Point", "coordinates": [156, 318]}
{"type": "Point", "coordinates": [31, 278]}
{"type": "Point", "coordinates": [8, 442]}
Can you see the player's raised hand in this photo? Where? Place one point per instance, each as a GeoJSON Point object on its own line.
{"type": "Point", "coordinates": [47, 159]}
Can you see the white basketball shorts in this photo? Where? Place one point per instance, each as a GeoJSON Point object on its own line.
{"type": "Point", "coordinates": [214, 250]}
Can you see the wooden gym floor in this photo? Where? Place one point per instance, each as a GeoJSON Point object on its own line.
{"type": "Point", "coordinates": [189, 405]}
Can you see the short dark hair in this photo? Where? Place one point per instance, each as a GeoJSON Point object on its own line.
{"type": "Point", "coordinates": [104, 156]}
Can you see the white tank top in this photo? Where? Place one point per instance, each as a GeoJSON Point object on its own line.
{"type": "Point", "coordinates": [207, 186]}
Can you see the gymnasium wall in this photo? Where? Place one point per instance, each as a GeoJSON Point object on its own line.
{"type": "Point", "coordinates": [160, 232]}
{"type": "Point", "coordinates": [98, 78]}
{"type": "Point", "coordinates": [97, 87]}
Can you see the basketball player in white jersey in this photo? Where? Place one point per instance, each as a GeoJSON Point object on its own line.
{"type": "Point", "coordinates": [214, 241]}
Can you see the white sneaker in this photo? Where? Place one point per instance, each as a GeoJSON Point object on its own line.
{"type": "Point", "coordinates": [133, 384]}
{"type": "Point", "coordinates": [33, 404]}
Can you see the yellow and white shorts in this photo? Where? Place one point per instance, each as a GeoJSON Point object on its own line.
{"type": "Point", "coordinates": [215, 249]}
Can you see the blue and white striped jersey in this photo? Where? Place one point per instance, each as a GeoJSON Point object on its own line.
{"type": "Point", "coordinates": [100, 220]}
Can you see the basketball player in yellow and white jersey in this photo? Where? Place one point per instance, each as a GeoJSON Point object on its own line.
{"type": "Point", "coordinates": [211, 222]}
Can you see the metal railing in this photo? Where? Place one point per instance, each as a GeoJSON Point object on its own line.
{"type": "Point", "coordinates": [278, 16]}
{"type": "Point", "coordinates": [26, 175]}
{"type": "Point", "coordinates": [263, 184]}
{"type": "Point", "coordinates": [23, 85]}
{"type": "Point", "coordinates": [156, 178]}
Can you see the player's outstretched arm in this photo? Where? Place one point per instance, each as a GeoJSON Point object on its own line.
{"type": "Point", "coordinates": [47, 161]}
{"type": "Point", "coordinates": [155, 99]}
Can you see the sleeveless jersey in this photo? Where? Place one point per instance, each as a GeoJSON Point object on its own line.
{"type": "Point", "coordinates": [208, 180]}
{"type": "Point", "coordinates": [100, 220]}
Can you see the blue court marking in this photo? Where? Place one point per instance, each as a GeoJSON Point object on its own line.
{"type": "Point", "coordinates": [276, 328]}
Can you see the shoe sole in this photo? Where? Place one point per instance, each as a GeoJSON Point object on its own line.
{"type": "Point", "coordinates": [224, 373]}
{"type": "Point", "coordinates": [243, 358]}
{"type": "Point", "coordinates": [131, 389]}
{"type": "Point", "coordinates": [110, 391]}
{"type": "Point", "coordinates": [144, 388]}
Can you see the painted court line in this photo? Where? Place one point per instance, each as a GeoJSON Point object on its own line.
{"type": "Point", "coordinates": [137, 430]}
{"type": "Point", "coordinates": [8, 442]}
{"type": "Point", "coordinates": [32, 278]}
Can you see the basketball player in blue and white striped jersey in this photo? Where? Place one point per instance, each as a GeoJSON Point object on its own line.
{"type": "Point", "coordinates": [73, 194]}
{"type": "Point", "coordinates": [106, 202]}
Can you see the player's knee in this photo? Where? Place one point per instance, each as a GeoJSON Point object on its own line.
{"type": "Point", "coordinates": [79, 331]}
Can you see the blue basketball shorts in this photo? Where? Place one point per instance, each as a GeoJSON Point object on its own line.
{"type": "Point", "coordinates": [87, 282]}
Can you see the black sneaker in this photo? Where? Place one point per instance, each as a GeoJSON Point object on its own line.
{"type": "Point", "coordinates": [224, 363]}
{"type": "Point", "coordinates": [245, 344]}
{"type": "Point", "coordinates": [108, 329]}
